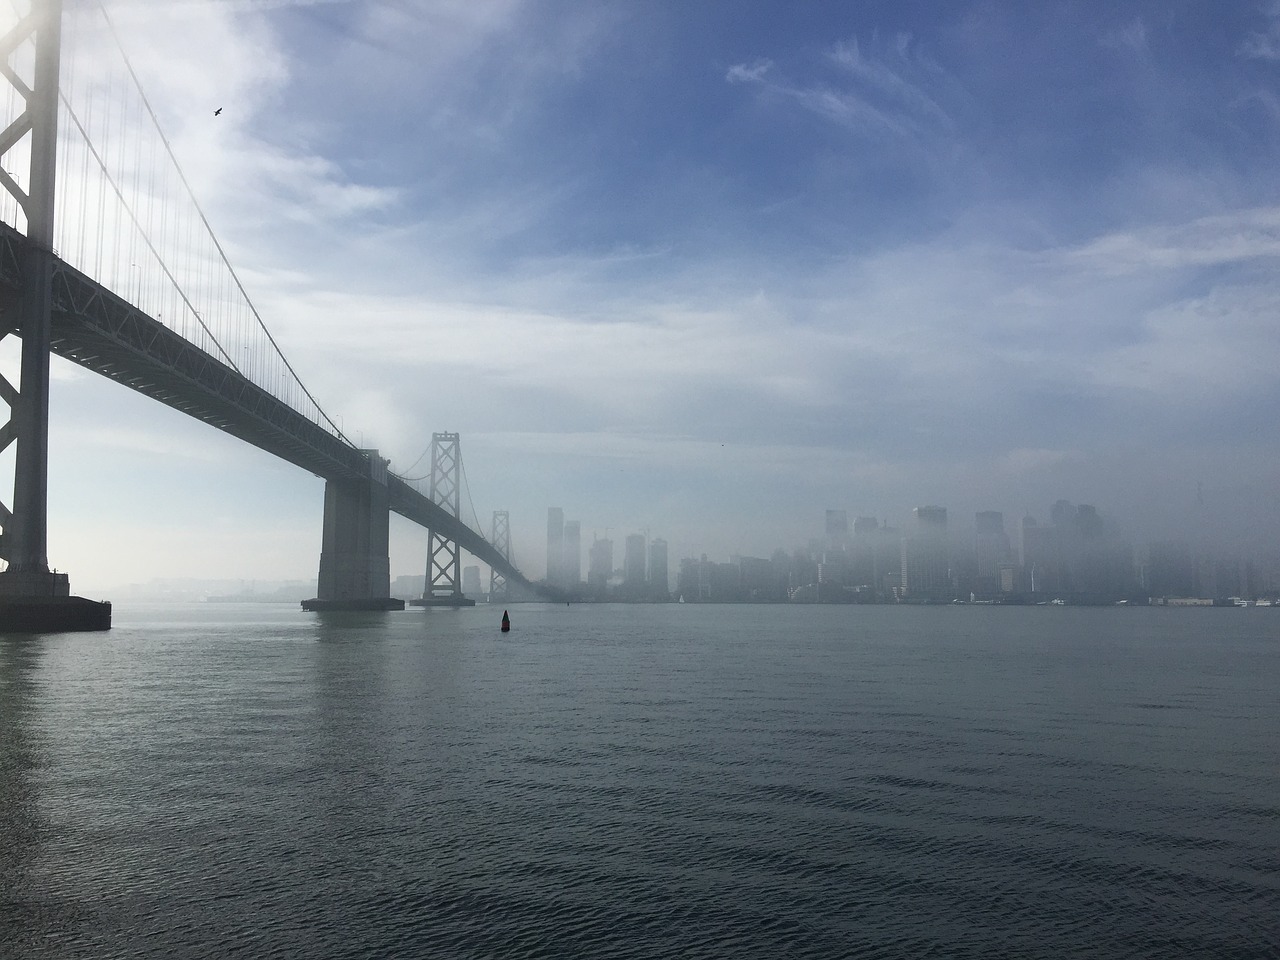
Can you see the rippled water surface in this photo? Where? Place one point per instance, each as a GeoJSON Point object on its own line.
{"type": "Point", "coordinates": [644, 781]}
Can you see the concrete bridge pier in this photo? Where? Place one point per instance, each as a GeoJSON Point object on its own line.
{"type": "Point", "coordinates": [355, 567]}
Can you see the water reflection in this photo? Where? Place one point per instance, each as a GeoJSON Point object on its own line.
{"type": "Point", "coordinates": [19, 807]}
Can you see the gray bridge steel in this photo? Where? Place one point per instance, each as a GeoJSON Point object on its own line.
{"type": "Point", "coordinates": [97, 329]}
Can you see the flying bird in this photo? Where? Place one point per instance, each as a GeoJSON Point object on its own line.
{"type": "Point", "coordinates": [217, 112]}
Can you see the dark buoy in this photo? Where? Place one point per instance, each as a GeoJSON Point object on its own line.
{"type": "Point", "coordinates": [506, 622]}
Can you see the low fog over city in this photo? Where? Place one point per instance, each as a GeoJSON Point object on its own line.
{"type": "Point", "coordinates": [710, 272]}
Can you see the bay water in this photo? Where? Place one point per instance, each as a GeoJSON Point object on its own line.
{"type": "Point", "coordinates": [248, 780]}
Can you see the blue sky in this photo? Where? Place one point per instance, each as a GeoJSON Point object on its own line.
{"type": "Point", "coordinates": [708, 269]}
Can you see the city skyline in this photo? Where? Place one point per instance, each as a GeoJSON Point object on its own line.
{"type": "Point", "coordinates": [1196, 534]}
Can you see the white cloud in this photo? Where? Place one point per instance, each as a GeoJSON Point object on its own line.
{"type": "Point", "coordinates": [1234, 237]}
{"type": "Point", "coordinates": [749, 73]}
{"type": "Point", "coordinates": [888, 76]}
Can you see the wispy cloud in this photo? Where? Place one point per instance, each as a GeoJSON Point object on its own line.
{"type": "Point", "coordinates": [876, 101]}
{"type": "Point", "coordinates": [1131, 37]}
{"type": "Point", "coordinates": [888, 75]}
{"type": "Point", "coordinates": [890, 91]}
{"type": "Point", "coordinates": [749, 73]}
{"type": "Point", "coordinates": [1237, 237]}
{"type": "Point", "coordinates": [1264, 44]}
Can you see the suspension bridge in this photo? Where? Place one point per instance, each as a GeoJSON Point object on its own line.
{"type": "Point", "coordinates": [107, 260]}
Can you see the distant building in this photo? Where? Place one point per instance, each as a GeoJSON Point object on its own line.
{"type": "Point", "coordinates": [837, 530]}
{"type": "Point", "coordinates": [1041, 558]}
{"type": "Point", "coordinates": [992, 553]}
{"type": "Point", "coordinates": [408, 586]}
{"type": "Point", "coordinates": [659, 585]}
{"type": "Point", "coordinates": [471, 581]}
{"type": "Point", "coordinates": [633, 564]}
{"type": "Point", "coordinates": [694, 581]}
{"type": "Point", "coordinates": [875, 567]}
{"type": "Point", "coordinates": [1170, 570]}
{"type": "Point", "coordinates": [764, 580]}
{"type": "Point", "coordinates": [571, 559]}
{"type": "Point", "coordinates": [926, 570]}
{"type": "Point", "coordinates": [555, 544]}
{"type": "Point", "coordinates": [599, 566]}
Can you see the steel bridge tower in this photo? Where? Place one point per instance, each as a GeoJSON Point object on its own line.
{"type": "Point", "coordinates": [32, 597]}
{"type": "Point", "coordinates": [500, 537]}
{"type": "Point", "coordinates": [444, 558]}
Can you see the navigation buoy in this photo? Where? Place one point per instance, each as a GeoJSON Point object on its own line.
{"type": "Point", "coordinates": [506, 622]}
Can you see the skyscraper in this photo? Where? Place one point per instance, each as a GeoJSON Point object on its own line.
{"type": "Point", "coordinates": [555, 544]}
{"type": "Point", "coordinates": [991, 550]}
{"type": "Point", "coordinates": [600, 566]}
{"type": "Point", "coordinates": [633, 566]}
{"type": "Point", "coordinates": [1041, 557]}
{"type": "Point", "coordinates": [659, 586]}
{"type": "Point", "coordinates": [926, 569]}
{"type": "Point", "coordinates": [571, 560]}
{"type": "Point", "coordinates": [837, 529]}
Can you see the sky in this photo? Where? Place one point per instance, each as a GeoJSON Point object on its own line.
{"type": "Point", "coordinates": [706, 270]}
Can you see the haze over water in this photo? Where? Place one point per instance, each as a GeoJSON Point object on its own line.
{"type": "Point", "coordinates": [640, 781]}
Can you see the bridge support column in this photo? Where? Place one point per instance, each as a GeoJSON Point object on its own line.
{"type": "Point", "coordinates": [444, 558]}
{"type": "Point", "coordinates": [355, 569]}
{"type": "Point", "coordinates": [34, 598]}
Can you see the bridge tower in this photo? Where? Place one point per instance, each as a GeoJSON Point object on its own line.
{"type": "Point", "coordinates": [33, 597]}
{"type": "Point", "coordinates": [500, 537]}
{"type": "Point", "coordinates": [444, 559]}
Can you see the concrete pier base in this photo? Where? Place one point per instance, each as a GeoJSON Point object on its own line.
{"type": "Point", "coordinates": [457, 600]}
{"type": "Point", "coordinates": [53, 615]}
{"type": "Point", "coordinates": [326, 606]}
{"type": "Point", "coordinates": [41, 602]}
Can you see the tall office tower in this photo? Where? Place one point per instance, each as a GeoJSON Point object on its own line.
{"type": "Point", "coordinates": [991, 549]}
{"type": "Point", "coordinates": [555, 544]}
{"type": "Point", "coordinates": [926, 569]}
{"type": "Point", "coordinates": [930, 521]}
{"type": "Point", "coordinates": [862, 548]}
{"type": "Point", "coordinates": [633, 569]}
{"type": "Point", "coordinates": [599, 565]}
{"type": "Point", "coordinates": [837, 531]}
{"type": "Point", "coordinates": [571, 565]}
{"type": "Point", "coordinates": [659, 586]}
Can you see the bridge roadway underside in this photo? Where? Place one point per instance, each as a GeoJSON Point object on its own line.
{"type": "Point", "coordinates": [102, 332]}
